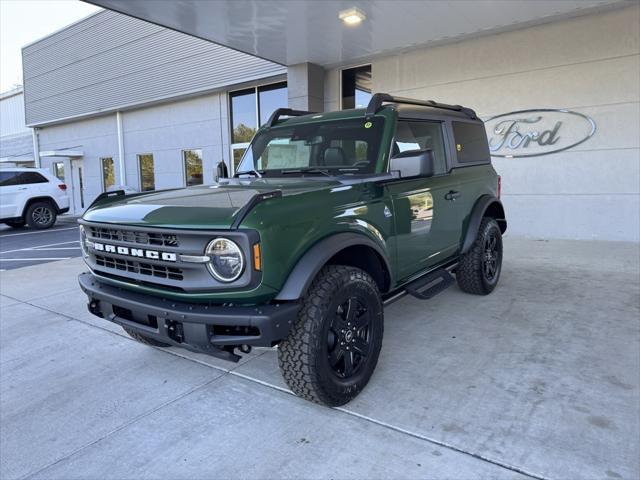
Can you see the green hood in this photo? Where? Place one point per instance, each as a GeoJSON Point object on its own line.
{"type": "Point", "coordinates": [206, 206]}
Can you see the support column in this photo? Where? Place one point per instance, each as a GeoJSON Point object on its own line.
{"type": "Point", "coordinates": [305, 86]}
{"type": "Point", "coordinates": [36, 147]}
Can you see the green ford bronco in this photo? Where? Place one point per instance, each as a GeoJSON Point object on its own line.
{"type": "Point", "coordinates": [330, 217]}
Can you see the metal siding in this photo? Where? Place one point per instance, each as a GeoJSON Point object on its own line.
{"type": "Point", "coordinates": [110, 61]}
{"type": "Point", "coordinates": [12, 116]}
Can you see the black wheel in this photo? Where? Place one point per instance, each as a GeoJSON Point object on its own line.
{"type": "Point", "coordinates": [41, 215]}
{"type": "Point", "coordinates": [479, 269]}
{"type": "Point", "coordinates": [16, 223]}
{"type": "Point", "coordinates": [332, 350]}
{"type": "Point", "coordinates": [144, 339]}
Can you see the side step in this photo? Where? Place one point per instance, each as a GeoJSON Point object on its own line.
{"type": "Point", "coordinates": [430, 285]}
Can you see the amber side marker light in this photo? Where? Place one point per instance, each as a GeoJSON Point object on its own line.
{"type": "Point", "coordinates": [257, 260]}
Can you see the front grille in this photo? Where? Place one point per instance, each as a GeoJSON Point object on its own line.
{"type": "Point", "coordinates": [140, 238]}
{"type": "Point", "coordinates": [132, 266]}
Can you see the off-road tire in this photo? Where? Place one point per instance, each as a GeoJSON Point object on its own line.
{"type": "Point", "coordinates": [144, 339]}
{"type": "Point", "coordinates": [303, 356]}
{"type": "Point", "coordinates": [16, 223]}
{"type": "Point", "coordinates": [41, 215]}
{"type": "Point", "coordinates": [470, 272]}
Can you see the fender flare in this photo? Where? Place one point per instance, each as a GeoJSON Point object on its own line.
{"type": "Point", "coordinates": [484, 203]}
{"type": "Point", "coordinates": [317, 256]}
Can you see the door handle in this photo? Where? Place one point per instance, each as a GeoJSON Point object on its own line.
{"type": "Point", "coordinates": [452, 195]}
{"type": "Point", "coordinates": [22, 188]}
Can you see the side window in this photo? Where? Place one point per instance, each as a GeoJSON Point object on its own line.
{"type": "Point", "coordinates": [471, 142]}
{"type": "Point", "coordinates": [26, 178]}
{"type": "Point", "coordinates": [7, 178]}
{"type": "Point", "coordinates": [417, 135]}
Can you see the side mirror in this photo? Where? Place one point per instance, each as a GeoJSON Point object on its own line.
{"type": "Point", "coordinates": [414, 163]}
{"type": "Point", "coordinates": [221, 170]}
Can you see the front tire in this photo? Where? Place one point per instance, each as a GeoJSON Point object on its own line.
{"type": "Point", "coordinates": [41, 215]}
{"type": "Point", "coordinates": [332, 350]}
{"type": "Point", "coordinates": [479, 269]}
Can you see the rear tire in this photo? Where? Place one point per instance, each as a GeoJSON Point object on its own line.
{"type": "Point", "coordinates": [16, 223]}
{"type": "Point", "coordinates": [41, 215]}
{"type": "Point", "coordinates": [138, 337]}
{"type": "Point", "coordinates": [479, 269]}
{"type": "Point", "coordinates": [333, 348]}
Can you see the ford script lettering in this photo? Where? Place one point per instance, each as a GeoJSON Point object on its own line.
{"type": "Point", "coordinates": [531, 133]}
{"type": "Point", "coordinates": [135, 252]}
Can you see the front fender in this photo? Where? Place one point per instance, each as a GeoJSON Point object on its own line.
{"type": "Point", "coordinates": [317, 256]}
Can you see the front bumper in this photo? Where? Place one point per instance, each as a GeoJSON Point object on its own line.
{"type": "Point", "coordinates": [212, 329]}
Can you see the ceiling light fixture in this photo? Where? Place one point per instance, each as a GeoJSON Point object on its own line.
{"type": "Point", "coordinates": [352, 16]}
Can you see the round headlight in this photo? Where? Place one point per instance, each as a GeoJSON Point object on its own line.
{"type": "Point", "coordinates": [83, 241]}
{"type": "Point", "coordinates": [227, 261]}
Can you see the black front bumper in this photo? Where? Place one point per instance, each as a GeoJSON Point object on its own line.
{"type": "Point", "coordinates": [212, 329]}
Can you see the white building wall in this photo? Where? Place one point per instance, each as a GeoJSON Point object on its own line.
{"type": "Point", "coordinates": [589, 64]}
{"type": "Point", "coordinates": [16, 145]}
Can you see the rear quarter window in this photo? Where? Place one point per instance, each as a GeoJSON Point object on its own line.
{"type": "Point", "coordinates": [25, 178]}
{"type": "Point", "coordinates": [471, 142]}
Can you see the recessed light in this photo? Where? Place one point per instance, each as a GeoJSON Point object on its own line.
{"type": "Point", "coordinates": [352, 16]}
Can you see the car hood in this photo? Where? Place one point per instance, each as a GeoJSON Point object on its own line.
{"type": "Point", "coordinates": [205, 206]}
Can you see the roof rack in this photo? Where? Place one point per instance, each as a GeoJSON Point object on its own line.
{"type": "Point", "coordinates": [379, 98]}
{"type": "Point", "coordinates": [285, 112]}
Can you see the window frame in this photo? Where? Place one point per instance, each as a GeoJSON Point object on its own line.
{"type": "Point", "coordinates": [184, 164]}
{"type": "Point", "coordinates": [54, 168]}
{"type": "Point", "coordinates": [102, 176]}
{"type": "Point", "coordinates": [256, 91]}
{"type": "Point", "coordinates": [153, 161]}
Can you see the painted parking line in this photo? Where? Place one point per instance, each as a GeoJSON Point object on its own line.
{"type": "Point", "coordinates": [33, 259]}
{"type": "Point", "coordinates": [40, 246]}
{"type": "Point", "coordinates": [38, 231]}
{"type": "Point", "coordinates": [54, 248]}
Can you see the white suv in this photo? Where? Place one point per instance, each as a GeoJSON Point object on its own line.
{"type": "Point", "coordinates": [31, 196]}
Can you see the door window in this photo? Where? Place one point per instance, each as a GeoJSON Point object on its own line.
{"type": "Point", "coordinates": [7, 178]}
{"type": "Point", "coordinates": [58, 170]}
{"type": "Point", "coordinates": [417, 135]}
{"type": "Point", "coordinates": [146, 170]}
{"type": "Point", "coordinates": [27, 178]}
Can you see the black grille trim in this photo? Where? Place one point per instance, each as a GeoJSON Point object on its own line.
{"type": "Point", "coordinates": [142, 268]}
{"type": "Point", "coordinates": [135, 237]}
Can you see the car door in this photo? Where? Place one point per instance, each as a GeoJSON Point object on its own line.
{"type": "Point", "coordinates": [426, 218]}
{"type": "Point", "coordinates": [9, 194]}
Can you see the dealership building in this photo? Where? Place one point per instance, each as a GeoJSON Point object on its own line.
{"type": "Point", "coordinates": [147, 96]}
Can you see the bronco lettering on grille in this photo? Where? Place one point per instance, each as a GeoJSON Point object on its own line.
{"type": "Point", "coordinates": [135, 252]}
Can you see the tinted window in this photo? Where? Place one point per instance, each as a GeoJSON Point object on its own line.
{"type": "Point", "coordinates": [192, 167]}
{"type": "Point", "coordinates": [25, 178]}
{"type": "Point", "coordinates": [7, 178]}
{"type": "Point", "coordinates": [147, 177]}
{"type": "Point", "coordinates": [356, 87]}
{"type": "Point", "coordinates": [244, 120]}
{"type": "Point", "coordinates": [471, 142]}
{"type": "Point", "coordinates": [414, 135]}
{"type": "Point", "coordinates": [271, 97]}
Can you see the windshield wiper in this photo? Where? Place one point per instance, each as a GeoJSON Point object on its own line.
{"type": "Point", "coordinates": [306, 170]}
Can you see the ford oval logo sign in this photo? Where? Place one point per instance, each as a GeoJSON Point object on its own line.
{"type": "Point", "coordinates": [531, 133]}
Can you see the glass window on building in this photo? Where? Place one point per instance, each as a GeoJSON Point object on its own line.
{"type": "Point", "coordinates": [145, 169]}
{"type": "Point", "coordinates": [356, 87]}
{"type": "Point", "coordinates": [58, 170]}
{"type": "Point", "coordinates": [251, 108]}
{"type": "Point", "coordinates": [192, 167]}
{"type": "Point", "coordinates": [108, 173]}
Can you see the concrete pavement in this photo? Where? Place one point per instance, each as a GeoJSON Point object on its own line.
{"type": "Point", "coordinates": [539, 379]}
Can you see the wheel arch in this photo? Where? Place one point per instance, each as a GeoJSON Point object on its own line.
{"type": "Point", "coordinates": [42, 198]}
{"type": "Point", "coordinates": [350, 249]}
{"type": "Point", "coordinates": [485, 206]}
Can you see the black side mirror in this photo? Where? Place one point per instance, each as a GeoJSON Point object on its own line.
{"type": "Point", "coordinates": [414, 163]}
{"type": "Point", "coordinates": [221, 170]}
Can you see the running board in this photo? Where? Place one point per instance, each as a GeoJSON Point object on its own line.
{"type": "Point", "coordinates": [430, 285]}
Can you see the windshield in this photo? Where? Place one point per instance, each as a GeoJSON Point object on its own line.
{"type": "Point", "coordinates": [333, 147]}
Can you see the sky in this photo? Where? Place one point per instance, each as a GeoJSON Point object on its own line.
{"type": "Point", "coordinates": [23, 21]}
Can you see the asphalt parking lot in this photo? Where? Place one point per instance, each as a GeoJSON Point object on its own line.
{"type": "Point", "coordinates": [537, 380]}
{"type": "Point", "coordinates": [21, 247]}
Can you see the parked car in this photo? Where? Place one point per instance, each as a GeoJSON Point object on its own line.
{"type": "Point", "coordinates": [31, 196]}
{"type": "Point", "coordinates": [330, 217]}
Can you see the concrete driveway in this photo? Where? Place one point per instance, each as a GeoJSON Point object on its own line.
{"type": "Point", "coordinates": [538, 380]}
